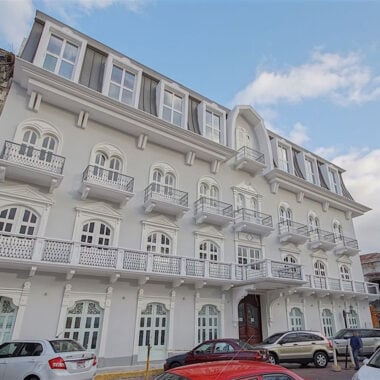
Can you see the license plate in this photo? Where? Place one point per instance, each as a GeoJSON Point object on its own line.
{"type": "Point", "coordinates": [81, 364]}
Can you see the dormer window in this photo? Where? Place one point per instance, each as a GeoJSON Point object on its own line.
{"type": "Point", "coordinates": [122, 85]}
{"type": "Point", "coordinates": [334, 182]}
{"type": "Point", "coordinates": [310, 171]}
{"type": "Point", "coordinates": [172, 104]}
{"type": "Point", "coordinates": [172, 108]}
{"type": "Point", "coordinates": [283, 158]}
{"type": "Point", "coordinates": [61, 57]}
{"type": "Point", "coordinates": [211, 120]}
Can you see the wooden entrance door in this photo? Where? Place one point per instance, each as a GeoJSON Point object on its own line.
{"type": "Point", "coordinates": [250, 319]}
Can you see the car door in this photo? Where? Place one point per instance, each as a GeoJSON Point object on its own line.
{"type": "Point", "coordinates": [200, 354]}
{"type": "Point", "coordinates": [289, 347]}
{"type": "Point", "coordinates": [224, 351]}
{"type": "Point", "coordinates": [25, 361]}
{"type": "Point", "coordinates": [368, 342]}
{"type": "Point", "coordinates": [7, 350]}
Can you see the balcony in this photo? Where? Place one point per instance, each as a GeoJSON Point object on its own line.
{"type": "Point", "coordinates": [250, 161]}
{"type": "Point", "coordinates": [211, 211]}
{"type": "Point", "coordinates": [346, 246]}
{"type": "Point", "coordinates": [25, 163]}
{"type": "Point", "coordinates": [253, 222]}
{"type": "Point", "coordinates": [335, 286]}
{"type": "Point", "coordinates": [165, 200]}
{"type": "Point", "coordinates": [106, 185]}
{"type": "Point", "coordinates": [70, 258]}
{"type": "Point", "coordinates": [320, 239]}
{"type": "Point", "coordinates": [292, 232]}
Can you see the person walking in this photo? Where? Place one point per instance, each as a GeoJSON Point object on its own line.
{"type": "Point", "coordinates": [356, 345]}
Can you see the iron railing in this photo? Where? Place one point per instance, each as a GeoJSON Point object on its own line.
{"type": "Point", "coordinates": [166, 193]}
{"type": "Point", "coordinates": [288, 226]}
{"type": "Point", "coordinates": [28, 155]}
{"type": "Point", "coordinates": [110, 178]}
{"type": "Point", "coordinates": [252, 216]}
{"type": "Point", "coordinates": [205, 204]}
{"type": "Point", "coordinates": [321, 235]}
{"type": "Point", "coordinates": [247, 152]}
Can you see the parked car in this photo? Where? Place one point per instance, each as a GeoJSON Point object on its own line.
{"type": "Point", "coordinates": [370, 339]}
{"type": "Point", "coordinates": [217, 349]}
{"type": "Point", "coordinates": [298, 347]}
{"type": "Point", "coordinates": [370, 370]}
{"type": "Point", "coordinates": [229, 370]}
{"type": "Point", "coordinates": [42, 359]}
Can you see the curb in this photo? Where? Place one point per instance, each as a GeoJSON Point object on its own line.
{"type": "Point", "coordinates": [128, 374]}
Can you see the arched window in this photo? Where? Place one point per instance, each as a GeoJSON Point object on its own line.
{"type": "Point", "coordinates": [158, 242]}
{"type": "Point", "coordinates": [352, 320]}
{"type": "Point", "coordinates": [7, 318]}
{"type": "Point", "coordinates": [242, 138]}
{"type": "Point", "coordinates": [208, 323]}
{"type": "Point", "coordinates": [320, 268]}
{"type": "Point", "coordinates": [107, 167]}
{"type": "Point", "coordinates": [96, 232]}
{"type": "Point", "coordinates": [208, 250]}
{"type": "Point", "coordinates": [18, 220]}
{"type": "Point", "coordinates": [285, 215]}
{"type": "Point", "coordinates": [296, 318]}
{"type": "Point", "coordinates": [338, 231]}
{"type": "Point", "coordinates": [345, 272]}
{"type": "Point", "coordinates": [313, 222]}
{"type": "Point", "coordinates": [328, 323]}
{"type": "Point", "coordinates": [83, 324]}
{"type": "Point", "coordinates": [253, 204]}
{"type": "Point", "coordinates": [240, 201]}
{"type": "Point", "coordinates": [153, 329]}
{"type": "Point", "coordinates": [209, 189]}
{"type": "Point", "coordinates": [290, 259]}
{"type": "Point", "coordinates": [49, 145]}
{"type": "Point", "coordinates": [163, 180]}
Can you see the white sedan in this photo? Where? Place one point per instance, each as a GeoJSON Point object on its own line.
{"type": "Point", "coordinates": [43, 359]}
{"type": "Point", "coordinates": [370, 370]}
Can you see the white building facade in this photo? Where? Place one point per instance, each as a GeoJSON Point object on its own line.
{"type": "Point", "coordinates": [132, 207]}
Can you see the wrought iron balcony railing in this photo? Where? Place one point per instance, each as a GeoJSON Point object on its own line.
{"type": "Point", "coordinates": [205, 204]}
{"type": "Point", "coordinates": [288, 226]}
{"type": "Point", "coordinates": [321, 235]}
{"type": "Point", "coordinates": [166, 193]}
{"type": "Point", "coordinates": [252, 216]}
{"type": "Point", "coordinates": [246, 152]}
{"type": "Point", "coordinates": [28, 155]}
{"type": "Point", "coordinates": [100, 176]}
{"type": "Point", "coordinates": [347, 242]}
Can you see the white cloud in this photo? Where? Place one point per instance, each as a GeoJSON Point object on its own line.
{"type": "Point", "coordinates": [16, 20]}
{"type": "Point", "coordinates": [299, 134]}
{"type": "Point", "coordinates": [362, 180]}
{"type": "Point", "coordinates": [342, 78]}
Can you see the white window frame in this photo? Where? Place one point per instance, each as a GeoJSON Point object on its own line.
{"type": "Point", "coordinates": [66, 34]}
{"type": "Point", "coordinates": [311, 170]}
{"type": "Point", "coordinates": [345, 272]}
{"type": "Point", "coordinates": [317, 268]}
{"type": "Point", "coordinates": [293, 317]}
{"type": "Point", "coordinates": [288, 258]}
{"type": "Point", "coordinates": [353, 320]}
{"type": "Point", "coordinates": [175, 89]}
{"type": "Point", "coordinates": [328, 323]}
{"type": "Point", "coordinates": [212, 234]}
{"type": "Point", "coordinates": [126, 65]}
{"type": "Point", "coordinates": [205, 107]}
{"type": "Point", "coordinates": [7, 318]}
{"type": "Point", "coordinates": [249, 254]}
{"type": "Point", "coordinates": [243, 138]}
{"type": "Point", "coordinates": [334, 182]}
{"type": "Point", "coordinates": [284, 165]}
{"type": "Point", "coordinates": [208, 254]}
{"type": "Point", "coordinates": [18, 221]}
{"type": "Point", "coordinates": [210, 328]}
{"type": "Point", "coordinates": [158, 245]}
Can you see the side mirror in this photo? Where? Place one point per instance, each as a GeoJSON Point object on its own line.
{"type": "Point", "coordinates": [365, 361]}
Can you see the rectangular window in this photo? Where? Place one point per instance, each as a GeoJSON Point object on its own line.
{"type": "Point", "coordinates": [172, 108]}
{"type": "Point", "coordinates": [212, 126]}
{"type": "Point", "coordinates": [248, 255]}
{"type": "Point", "coordinates": [333, 175]}
{"type": "Point", "coordinates": [122, 85]}
{"type": "Point", "coordinates": [61, 57]}
{"type": "Point", "coordinates": [310, 174]}
{"type": "Point", "coordinates": [283, 159]}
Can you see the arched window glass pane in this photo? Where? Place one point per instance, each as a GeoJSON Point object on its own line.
{"type": "Point", "coordinates": [97, 233]}
{"type": "Point", "coordinates": [328, 323]}
{"type": "Point", "coordinates": [214, 192]}
{"type": "Point", "coordinates": [208, 323]}
{"type": "Point", "coordinates": [158, 242]}
{"type": "Point", "coordinates": [208, 251]}
{"type": "Point", "coordinates": [290, 259]}
{"type": "Point", "coordinates": [203, 189]}
{"type": "Point", "coordinates": [8, 313]}
{"type": "Point", "coordinates": [18, 220]}
{"type": "Point", "coordinates": [30, 137]}
{"type": "Point", "coordinates": [83, 324]}
{"type": "Point", "coordinates": [296, 319]}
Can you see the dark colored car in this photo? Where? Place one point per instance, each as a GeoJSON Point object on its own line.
{"type": "Point", "coordinates": [230, 370]}
{"type": "Point", "coordinates": [217, 349]}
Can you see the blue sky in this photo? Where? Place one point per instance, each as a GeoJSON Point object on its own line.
{"type": "Point", "coordinates": [310, 68]}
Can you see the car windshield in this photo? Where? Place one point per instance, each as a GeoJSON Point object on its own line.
{"type": "Point", "coordinates": [244, 345]}
{"type": "Point", "coordinates": [375, 360]}
{"type": "Point", "coordinates": [66, 346]}
{"type": "Point", "coordinates": [271, 339]}
{"type": "Point", "coordinates": [341, 334]}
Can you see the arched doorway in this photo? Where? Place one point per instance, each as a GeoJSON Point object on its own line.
{"type": "Point", "coordinates": [250, 319]}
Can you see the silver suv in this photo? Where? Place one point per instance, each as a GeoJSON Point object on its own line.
{"type": "Point", "coordinates": [46, 360]}
{"type": "Point", "coordinates": [298, 347]}
{"type": "Point", "coordinates": [370, 339]}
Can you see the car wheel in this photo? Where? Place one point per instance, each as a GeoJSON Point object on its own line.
{"type": "Point", "coordinates": [175, 365]}
{"type": "Point", "coordinates": [32, 378]}
{"type": "Point", "coordinates": [272, 358]}
{"type": "Point", "coordinates": [320, 359]}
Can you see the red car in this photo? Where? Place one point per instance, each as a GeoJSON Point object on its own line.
{"type": "Point", "coordinates": [230, 370]}
{"type": "Point", "coordinates": [217, 349]}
